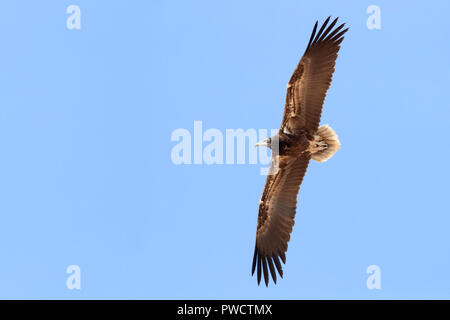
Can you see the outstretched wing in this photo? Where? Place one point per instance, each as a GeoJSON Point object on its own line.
{"type": "Point", "coordinates": [276, 216]}
{"type": "Point", "coordinates": [308, 85]}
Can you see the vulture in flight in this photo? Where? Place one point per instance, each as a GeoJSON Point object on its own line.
{"type": "Point", "coordinates": [299, 139]}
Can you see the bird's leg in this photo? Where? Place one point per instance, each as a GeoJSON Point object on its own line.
{"type": "Point", "coordinates": [317, 144]}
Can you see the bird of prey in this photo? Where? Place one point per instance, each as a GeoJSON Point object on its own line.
{"type": "Point", "coordinates": [299, 139]}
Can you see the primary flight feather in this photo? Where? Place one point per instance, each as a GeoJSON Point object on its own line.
{"type": "Point", "coordinates": [299, 139]}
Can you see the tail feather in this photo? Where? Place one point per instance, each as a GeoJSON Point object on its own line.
{"type": "Point", "coordinates": [325, 135]}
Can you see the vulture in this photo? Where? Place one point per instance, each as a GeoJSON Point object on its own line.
{"type": "Point", "coordinates": [298, 140]}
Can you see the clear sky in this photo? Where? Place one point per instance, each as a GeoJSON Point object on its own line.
{"type": "Point", "coordinates": [87, 178]}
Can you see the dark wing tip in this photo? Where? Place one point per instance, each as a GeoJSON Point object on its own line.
{"type": "Point", "coordinates": [276, 260]}
{"type": "Point", "coordinates": [321, 30]}
{"type": "Point", "coordinates": [313, 33]}
{"type": "Point", "coordinates": [254, 260]}
{"type": "Point", "coordinates": [326, 35]}
{"type": "Point", "coordinates": [272, 269]}
{"type": "Point", "coordinates": [258, 273]}
{"type": "Point", "coordinates": [264, 264]}
{"type": "Point", "coordinates": [340, 36]}
{"type": "Point", "coordinates": [283, 257]}
{"type": "Point", "coordinates": [266, 274]}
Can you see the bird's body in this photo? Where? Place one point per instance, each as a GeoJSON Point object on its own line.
{"type": "Point", "coordinates": [299, 139]}
{"type": "Point", "coordinates": [293, 144]}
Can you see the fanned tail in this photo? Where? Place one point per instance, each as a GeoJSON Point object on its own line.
{"type": "Point", "coordinates": [325, 144]}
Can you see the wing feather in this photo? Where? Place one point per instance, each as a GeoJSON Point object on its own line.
{"type": "Point", "coordinates": [311, 79]}
{"type": "Point", "coordinates": [276, 217]}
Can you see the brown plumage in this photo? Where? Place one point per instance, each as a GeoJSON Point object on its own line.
{"type": "Point", "coordinates": [298, 140]}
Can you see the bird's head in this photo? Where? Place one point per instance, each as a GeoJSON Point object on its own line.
{"type": "Point", "coordinates": [266, 142]}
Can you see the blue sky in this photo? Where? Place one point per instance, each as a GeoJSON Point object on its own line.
{"type": "Point", "coordinates": [86, 176]}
